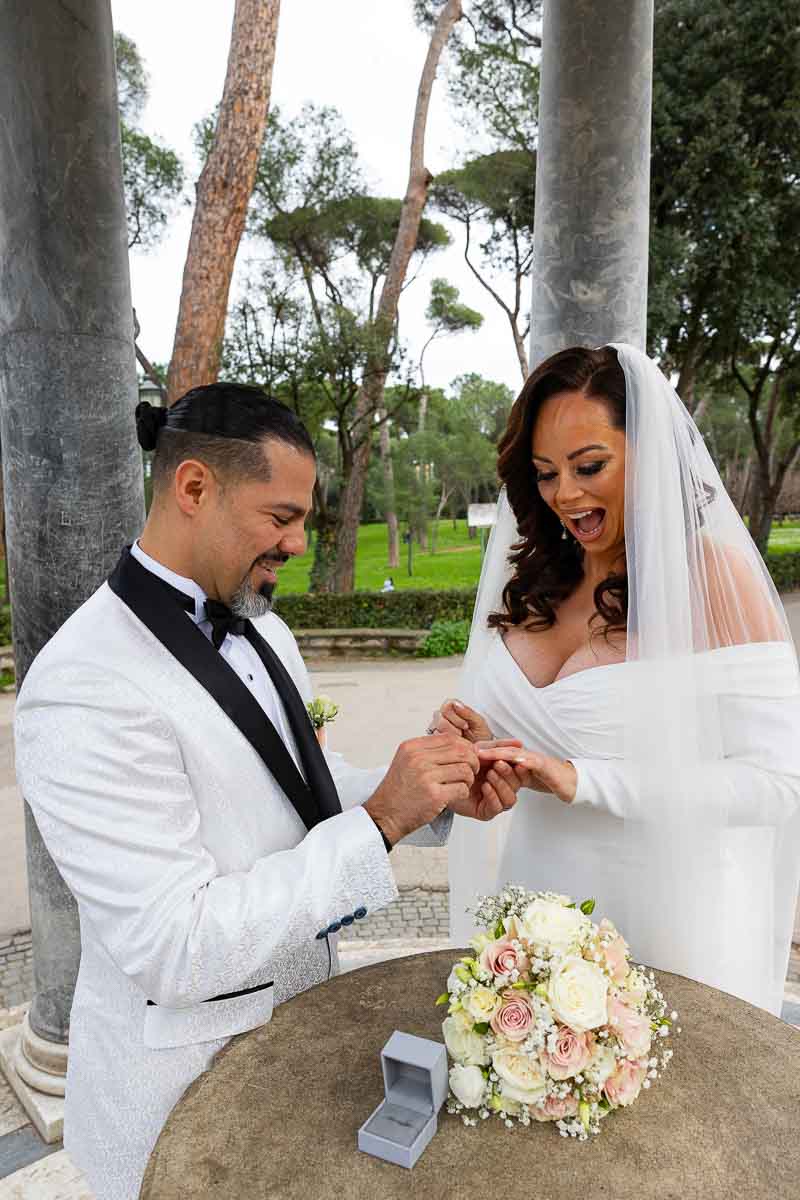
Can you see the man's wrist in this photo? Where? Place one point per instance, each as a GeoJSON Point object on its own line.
{"type": "Point", "coordinates": [387, 843]}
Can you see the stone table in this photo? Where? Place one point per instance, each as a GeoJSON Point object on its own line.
{"type": "Point", "coordinates": [277, 1113]}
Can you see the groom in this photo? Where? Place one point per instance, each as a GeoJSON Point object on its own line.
{"type": "Point", "coordinates": [164, 747]}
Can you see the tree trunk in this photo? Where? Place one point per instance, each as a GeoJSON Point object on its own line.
{"type": "Point", "coordinates": [519, 346]}
{"type": "Point", "coordinates": [761, 511]}
{"type": "Point", "coordinates": [370, 396]}
{"type": "Point", "coordinates": [6, 584]}
{"type": "Point", "coordinates": [223, 194]}
{"type": "Point", "coordinates": [321, 578]}
{"type": "Point", "coordinates": [392, 531]}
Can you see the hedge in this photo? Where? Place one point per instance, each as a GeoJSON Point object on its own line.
{"type": "Point", "coordinates": [420, 609]}
{"type": "Point", "coordinates": [785, 570]}
{"type": "Point", "coordinates": [376, 610]}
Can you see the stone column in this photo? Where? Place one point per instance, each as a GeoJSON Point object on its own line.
{"type": "Point", "coordinates": [72, 470]}
{"type": "Point", "coordinates": [592, 175]}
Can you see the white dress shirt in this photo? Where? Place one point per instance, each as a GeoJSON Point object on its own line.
{"type": "Point", "coordinates": [236, 650]}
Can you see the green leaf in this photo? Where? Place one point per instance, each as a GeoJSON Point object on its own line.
{"type": "Point", "coordinates": [587, 908]}
{"type": "Point", "coordinates": [499, 930]}
{"type": "Point", "coordinates": [443, 999]}
{"type": "Point", "coordinates": [481, 1027]}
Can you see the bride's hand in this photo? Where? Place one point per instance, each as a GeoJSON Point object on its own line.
{"type": "Point", "coordinates": [460, 719]}
{"type": "Point", "coordinates": [540, 772]}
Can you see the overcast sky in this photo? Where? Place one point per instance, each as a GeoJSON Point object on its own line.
{"type": "Point", "coordinates": [362, 56]}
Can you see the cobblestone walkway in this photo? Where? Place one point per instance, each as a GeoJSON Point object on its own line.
{"type": "Point", "coordinates": [16, 968]}
{"type": "Point", "coordinates": [416, 913]}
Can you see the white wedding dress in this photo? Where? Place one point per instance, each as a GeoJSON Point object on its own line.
{"type": "Point", "coordinates": [685, 827]}
{"type": "Point", "coordinates": [582, 849]}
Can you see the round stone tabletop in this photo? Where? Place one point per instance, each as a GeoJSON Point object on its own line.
{"type": "Point", "coordinates": [278, 1112]}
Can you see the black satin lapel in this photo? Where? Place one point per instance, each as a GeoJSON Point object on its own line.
{"type": "Point", "coordinates": [316, 768]}
{"type": "Point", "coordinates": [141, 591]}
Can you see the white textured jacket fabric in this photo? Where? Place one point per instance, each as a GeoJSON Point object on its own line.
{"type": "Point", "coordinates": [194, 876]}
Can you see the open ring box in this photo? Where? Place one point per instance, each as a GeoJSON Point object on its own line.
{"type": "Point", "coordinates": [415, 1084]}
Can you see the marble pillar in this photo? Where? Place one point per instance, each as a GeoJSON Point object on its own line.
{"type": "Point", "coordinates": [592, 176]}
{"type": "Point", "coordinates": [72, 470]}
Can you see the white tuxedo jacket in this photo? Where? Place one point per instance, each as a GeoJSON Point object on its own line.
{"type": "Point", "coordinates": [203, 899]}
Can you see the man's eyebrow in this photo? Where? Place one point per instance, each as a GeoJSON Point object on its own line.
{"type": "Point", "coordinates": [294, 510]}
{"type": "Point", "coordinates": [574, 454]}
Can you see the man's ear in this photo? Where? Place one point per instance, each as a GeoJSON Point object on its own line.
{"type": "Point", "coordinates": [194, 486]}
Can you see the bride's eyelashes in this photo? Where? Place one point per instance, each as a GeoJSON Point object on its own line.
{"type": "Point", "coordinates": [590, 469]}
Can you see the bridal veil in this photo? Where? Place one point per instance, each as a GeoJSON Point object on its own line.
{"type": "Point", "coordinates": [715, 836]}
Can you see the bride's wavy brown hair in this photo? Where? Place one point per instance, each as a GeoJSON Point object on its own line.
{"type": "Point", "coordinates": [547, 569]}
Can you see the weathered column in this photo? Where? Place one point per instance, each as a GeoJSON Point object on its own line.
{"type": "Point", "coordinates": [71, 466]}
{"type": "Point", "coordinates": [592, 175]}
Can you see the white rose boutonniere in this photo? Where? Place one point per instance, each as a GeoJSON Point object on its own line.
{"type": "Point", "coordinates": [321, 711]}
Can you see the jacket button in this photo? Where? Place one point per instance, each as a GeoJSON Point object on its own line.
{"type": "Point", "coordinates": [334, 927]}
{"type": "Point", "coordinates": [360, 913]}
{"type": "Point", "coordinates": [348, 920]}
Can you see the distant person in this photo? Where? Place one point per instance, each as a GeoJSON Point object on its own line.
{"type": "Point", "coordinates": [388, 585]}
{"type": "Point", "coordinates": [165, 749]}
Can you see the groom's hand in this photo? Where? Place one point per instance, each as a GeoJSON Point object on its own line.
{"type": "Point", "coordinates": [426, 775]}
{"type": "Point", "coordinates": [496, 785]}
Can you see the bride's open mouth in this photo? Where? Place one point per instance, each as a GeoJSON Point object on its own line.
{"type": "Point", "coordinates": [589, 524]}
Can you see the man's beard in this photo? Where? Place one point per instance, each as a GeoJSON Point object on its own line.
{"type": "Point", "coordinates": [248, 603]}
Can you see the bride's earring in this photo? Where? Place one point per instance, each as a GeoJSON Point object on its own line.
{"type": "Point", "coordinates": [563, 532]}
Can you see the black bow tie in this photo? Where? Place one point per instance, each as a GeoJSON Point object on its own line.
{"type": "Point", "coordinates": [223, 622]}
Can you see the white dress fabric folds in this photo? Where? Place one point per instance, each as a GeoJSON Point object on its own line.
{"type": "Point", "coordinates": [583, 849]}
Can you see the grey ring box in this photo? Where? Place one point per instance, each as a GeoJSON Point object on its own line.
{"type": "Point", "coordinates": [415, 1084]}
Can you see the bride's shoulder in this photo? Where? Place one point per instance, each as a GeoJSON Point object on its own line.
{"type": "Point", "coordinates": [738, 600]}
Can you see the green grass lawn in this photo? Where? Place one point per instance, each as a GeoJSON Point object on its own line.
{"type": "Point", "coordinates": [457, 562]}
{"type": "Point", "coordinates": [784, 538]}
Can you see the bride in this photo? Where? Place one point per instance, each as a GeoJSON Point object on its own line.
{"type": "Point", "coordinates": [627, 633]}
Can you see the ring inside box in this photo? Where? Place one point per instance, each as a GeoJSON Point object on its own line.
{"type": "Point", "coordinates": [397, 1124]}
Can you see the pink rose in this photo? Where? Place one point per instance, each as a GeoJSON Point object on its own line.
{"type": "Point", "coordinates": [554, 1109]}
{"type": "Point", "coordinates": [514, 1017]}
{"type": "Point", "coordinates": [624, 1085]}
{"type": "Point", "coordinates": [632, 1029]}
{"type": "Point", "coordinates": [572, 1053]}
{"type": "Point", "coordinates": [614, 955]}
{"type": "Point", "coordinates": [501, 958]}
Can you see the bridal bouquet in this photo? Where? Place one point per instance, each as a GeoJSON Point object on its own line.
{"type": "Point", "coordinates": [548, 1020]}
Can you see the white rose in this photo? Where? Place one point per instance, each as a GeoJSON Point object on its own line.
{"type": "Point", "coordinates": [578, 994]}
{"type": "Point", "coordinates": [467, 1085]}
{"type": "Point", "coordinates": [463, 1044]}
{"type": "Point", "coordinates": [481, 1003]}
{"type": "Point", "coordinates": [603, 1064]}
{"type": "Point", "coordinates": [521, 1076]}
{"type": "Point", "coordinates": [552, 926]}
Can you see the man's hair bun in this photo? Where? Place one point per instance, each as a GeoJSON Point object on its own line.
{"type": "Point", "coordinates": [149, 421]}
